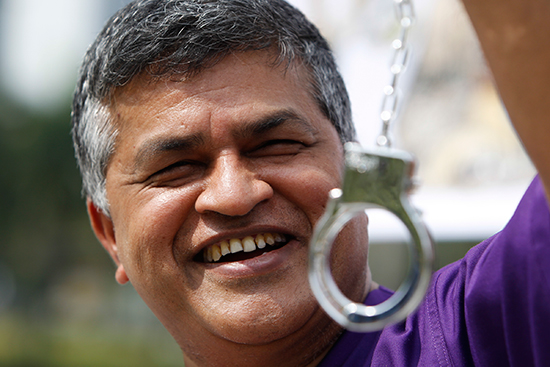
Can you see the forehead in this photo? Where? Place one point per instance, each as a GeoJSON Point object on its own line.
{"type": "Point", "coordinates": [238, 78]}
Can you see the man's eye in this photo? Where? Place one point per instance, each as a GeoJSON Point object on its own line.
{"type": "Point", "coordinates": [278, 147]}
{"type": "Point", "coordinates": [175, 173]}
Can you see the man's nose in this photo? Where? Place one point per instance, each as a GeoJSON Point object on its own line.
{"type": "Point", "coordinates": [232, 189]}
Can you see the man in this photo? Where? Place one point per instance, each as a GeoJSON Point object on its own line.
{"type": "Point", "coordinates": [208, 134]}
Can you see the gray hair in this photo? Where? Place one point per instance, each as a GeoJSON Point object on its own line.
{"type": "Point", "coordinates": [164, 37]}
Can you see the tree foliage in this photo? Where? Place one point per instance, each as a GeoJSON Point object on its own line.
{"type": "Point", "coordinates": [44, 230]}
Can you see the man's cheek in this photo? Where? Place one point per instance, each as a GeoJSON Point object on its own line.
{"type": "Point", "coordinates": [312, 189]}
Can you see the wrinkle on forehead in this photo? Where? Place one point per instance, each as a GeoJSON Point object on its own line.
{"type": "Point", "coordinates": [146, 85]}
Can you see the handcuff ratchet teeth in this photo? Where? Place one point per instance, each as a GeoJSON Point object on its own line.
{"type": "Point", "coordinates": [380, 178]}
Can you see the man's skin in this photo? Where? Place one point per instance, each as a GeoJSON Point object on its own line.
{"type": "Point", "coordinates": [241, 149]}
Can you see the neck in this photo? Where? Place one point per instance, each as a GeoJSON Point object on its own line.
{"type": "Point", "coordinates": [303, 348]}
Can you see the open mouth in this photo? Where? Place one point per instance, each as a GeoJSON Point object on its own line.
{"type": "Point", "coordinates": [238, 249]}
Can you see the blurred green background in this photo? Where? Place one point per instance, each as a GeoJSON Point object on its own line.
{"type": "Point", "coordinates": [59, 302]}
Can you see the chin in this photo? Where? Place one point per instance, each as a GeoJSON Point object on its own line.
{"type": "Point", "coordinates": [265, 321]}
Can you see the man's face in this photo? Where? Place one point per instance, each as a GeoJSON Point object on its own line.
{"type": "Point", "coordinates": [239, 152]}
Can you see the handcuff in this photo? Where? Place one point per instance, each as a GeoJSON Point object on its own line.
{"type": "Point", "coordinates": [372, 179]}
{"type": "Point", "coordinates": [375, 178]}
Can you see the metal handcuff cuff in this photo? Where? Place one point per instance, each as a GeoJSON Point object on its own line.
{"type": "Point", "coordinates": [375, 178]}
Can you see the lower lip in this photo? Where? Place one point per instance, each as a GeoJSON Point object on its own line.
{"type": "Point", "coordinates": [263, 264]}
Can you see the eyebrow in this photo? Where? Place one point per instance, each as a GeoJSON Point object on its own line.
{"type": "Point", "coordinates": [154, 147]}
{"type": "Point", "coordinates": [273, 121]}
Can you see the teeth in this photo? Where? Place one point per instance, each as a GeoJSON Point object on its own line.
{"type": "Point", "coordinates": [235, 245]}
{"type": "Point", "coordinates": [225, 248]}
{"type": "Point", "coordinates": [269, 239]}
{"type": "Point", "coordinates": [208, 254]}
{"type": "Point", "coordinates": [260, 242]}
{"type": "Point", "coordinates": [248, 244]}
{"type": "Point", "coordinates": [216, 253]}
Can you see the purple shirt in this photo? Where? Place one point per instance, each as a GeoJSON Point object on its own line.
{"type": "Point", "coordinates": [491, 308]}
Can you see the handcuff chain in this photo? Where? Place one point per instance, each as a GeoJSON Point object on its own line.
{"type": "Point", "coordinates": [405, 15]}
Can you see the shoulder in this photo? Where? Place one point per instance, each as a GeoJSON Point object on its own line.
{"type": "Point", "coordinates": [507, 289]}
{"type": "Point", "coordinates": [489, 308]}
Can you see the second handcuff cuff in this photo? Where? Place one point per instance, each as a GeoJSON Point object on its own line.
{"type": "Point", "coordinates": [375, 178]}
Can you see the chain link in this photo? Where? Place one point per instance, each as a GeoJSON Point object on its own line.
{"type": "Point", "coordinates": [405, 15]}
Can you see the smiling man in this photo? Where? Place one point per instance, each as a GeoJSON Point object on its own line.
{"type": "Point", "coordinates": [209, 134]}
{"type": "Point", "coordinates": [214, 156]}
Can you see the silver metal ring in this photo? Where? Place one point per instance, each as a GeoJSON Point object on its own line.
{"type": "Point", "coordinates": [373, 179]}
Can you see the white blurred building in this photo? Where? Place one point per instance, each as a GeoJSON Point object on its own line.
{"type": "Point", "coordinates": [42, 43]}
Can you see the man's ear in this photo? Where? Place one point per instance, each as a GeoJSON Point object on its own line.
{"type": "Point", "coordinates": [104, 230]}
